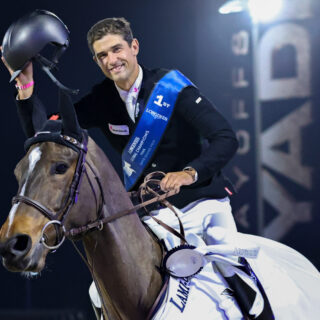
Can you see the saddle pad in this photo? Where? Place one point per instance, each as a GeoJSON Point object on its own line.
{"type": "Point", "coordinates": [290, 281]}
{"type": "Point", "coordinates": [205, 295]}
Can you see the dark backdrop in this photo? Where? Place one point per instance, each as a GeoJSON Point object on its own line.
{"type": "Point", "coordinates": [185, 34]}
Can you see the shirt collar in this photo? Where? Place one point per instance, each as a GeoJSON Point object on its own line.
{"type": "Point", "coordinates": [134, 90]}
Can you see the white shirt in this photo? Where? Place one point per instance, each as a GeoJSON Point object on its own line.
{"type": "Point", "coordinates": [130, 97]}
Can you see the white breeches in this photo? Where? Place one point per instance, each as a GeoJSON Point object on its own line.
{"type": "Point", "coordinates": [211, 219]}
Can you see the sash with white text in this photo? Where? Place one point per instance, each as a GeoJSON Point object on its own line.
{"type": "Point", "coordinates": [151, 126]}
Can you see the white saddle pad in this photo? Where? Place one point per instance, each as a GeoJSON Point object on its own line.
{"type": "Point", "coordinates": [203, 297]}
{"type": "Point", "coordinates": [291, 282]}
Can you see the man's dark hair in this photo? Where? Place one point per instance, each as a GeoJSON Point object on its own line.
{"type": "Point", "coordinates": [106, 26]}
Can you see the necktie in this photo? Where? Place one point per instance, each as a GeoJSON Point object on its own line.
{"type": "Point", "coordinates": [130, 103]}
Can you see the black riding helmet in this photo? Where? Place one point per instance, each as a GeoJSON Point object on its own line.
{"type": "Point", "coordinates": [26, 37]}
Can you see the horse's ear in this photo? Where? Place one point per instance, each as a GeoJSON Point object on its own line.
{"type": "Point", "coordinates": [70, 124]}
{"type": "Point", "coordinates": [32, 116]}
{"type": "Point", "coordinates": [39, 116]}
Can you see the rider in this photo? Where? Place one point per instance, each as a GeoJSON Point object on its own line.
{"type": "Point", "coordinates": [197, 141]}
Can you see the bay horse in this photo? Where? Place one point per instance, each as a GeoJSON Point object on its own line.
{"type": "Point", "coordinates": [68, 188]}
{"type": "Point", "coordinates": [122, 255]}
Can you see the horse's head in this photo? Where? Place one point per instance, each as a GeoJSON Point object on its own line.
{"type": "Point", "coordinates": [46, 168]}
{"type": "Point", "coordinates": [49, 176]}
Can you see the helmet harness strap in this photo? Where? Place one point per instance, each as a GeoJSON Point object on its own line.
{"type": "Point", "coordinates": [47, 66]}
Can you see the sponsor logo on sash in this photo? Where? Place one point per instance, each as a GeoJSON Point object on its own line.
{"type": "Point", "coordinates": [127, 169]}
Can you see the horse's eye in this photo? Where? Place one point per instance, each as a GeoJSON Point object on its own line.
{"type": "Point", "coordinates": [59, 168]}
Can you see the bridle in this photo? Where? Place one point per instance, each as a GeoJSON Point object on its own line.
{"type": "Point", "coordinates": [58, 219]}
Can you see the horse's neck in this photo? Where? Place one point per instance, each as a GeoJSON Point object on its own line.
{"type": "Point", "coordinates": [123, 255]}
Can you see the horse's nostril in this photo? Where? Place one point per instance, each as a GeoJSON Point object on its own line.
{"type": "Point", "coordinates": [19, 245]}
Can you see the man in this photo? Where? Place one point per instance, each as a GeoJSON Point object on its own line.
{"type": "Point", "coordinates": [116, 104]}
{"type": "Point", "coordinates": [196, 143]}
{"type": "Point", "coordinates": [115, 52]}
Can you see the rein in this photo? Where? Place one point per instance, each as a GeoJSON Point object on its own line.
{"type": "Point", "coordinates": [143, 190]}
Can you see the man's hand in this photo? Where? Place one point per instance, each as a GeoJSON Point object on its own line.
{"type": "Point", "coordinates": [174, 180]}
{"type": "Point", "coordinates": [25, 76]}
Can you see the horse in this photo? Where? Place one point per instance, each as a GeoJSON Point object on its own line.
{"type": "Point", "coordinates": [68, 188]}
{"type": "Point", "coordinates": [122, 255]}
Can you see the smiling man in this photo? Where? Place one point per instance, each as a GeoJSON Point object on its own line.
{"type": "Point", "coordinates": [156, 119]}
{"type": "Point", "coordinates": [120, 101]}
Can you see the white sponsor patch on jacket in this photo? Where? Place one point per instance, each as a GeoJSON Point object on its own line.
{"type": "Point", "coordinates": [198, 100]}
{"type": "Point", "coordinates": [122, 130]}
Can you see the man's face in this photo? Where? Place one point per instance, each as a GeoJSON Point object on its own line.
{"type": "Point", "coordinates": [116, 59]}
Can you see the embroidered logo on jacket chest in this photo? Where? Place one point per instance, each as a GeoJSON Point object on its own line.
{"type": "Point", "coordinates": [122, 130]}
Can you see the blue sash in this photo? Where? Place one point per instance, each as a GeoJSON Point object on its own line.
{"type": "Point", "coordinates": [151, 126]}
